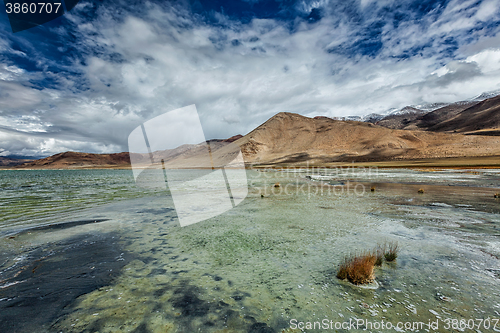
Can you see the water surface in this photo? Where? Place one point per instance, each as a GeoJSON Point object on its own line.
{"type": "Point", "coordinates": [125, 264]}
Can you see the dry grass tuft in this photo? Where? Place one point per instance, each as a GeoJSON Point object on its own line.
{"type": "Point", "coordinates": [358, 269]}
{"type": "Point", "coordinates": [391, 251]}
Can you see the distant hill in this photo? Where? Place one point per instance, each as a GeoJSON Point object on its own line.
{"type": "Point", "coordinates": [9, 161]}
{"type": "Point", "coordinates": [468, 117]}
{"type": "Point", "coordinates": [431, 119]}
{"type": "Point", "coordinates": [290, 139]}
{"type": "Point", "coordinates": [402, 119]}
{"type": "Point", "coordinates": [75, 160]}
{"type": "Point", "coordinates": [394, 117]}
{"type": "Point", "coordinates": [481, 118]}
{"type": "Point", "coordinates": [413, 118]}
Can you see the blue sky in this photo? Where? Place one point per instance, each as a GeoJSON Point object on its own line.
{"type": "Point", "coordinates": [84, 81]}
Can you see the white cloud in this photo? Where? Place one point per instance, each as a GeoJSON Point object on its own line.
{"type": "Point", "coordinates": [10, 73]}
{"type": "Point", "coordinates": [487, 9]}
{"type": "Point", "coordinates": [240, 74]}
{"type": "Point", "coordinates": [488, 60]}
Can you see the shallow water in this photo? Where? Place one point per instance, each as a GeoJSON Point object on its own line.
{"type": "Point", "coordinates": [34, 197]}
{"type": "Point", "coordinates": [261, 264]}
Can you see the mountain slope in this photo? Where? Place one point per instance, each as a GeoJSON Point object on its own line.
{"type": "Point", "coordinates": [289, 138]}
{"type": "Point", "coordinates": [75, 160]}
{"type": "Point", "coordinates": [479, 118]}
{"type": "Point", "coordinates": [468, 117]}
{"type": "Point", "coordinates": [431, 119]}
{"type": "Point", "coordinates": [8, 161]}
{"type": "Point", "coordinates": [400, 120]}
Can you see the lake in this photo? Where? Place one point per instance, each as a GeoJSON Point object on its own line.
{"type": "Point", "coordinates": [89, 251]}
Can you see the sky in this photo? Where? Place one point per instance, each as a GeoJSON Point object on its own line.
{"type": "Point", "coordinates": [84, 81]}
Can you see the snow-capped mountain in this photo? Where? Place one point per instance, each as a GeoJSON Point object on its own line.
{"type": "Point", "coordinates": [421, 109]}
{"type": "Point", "coordinates": [486, 95]}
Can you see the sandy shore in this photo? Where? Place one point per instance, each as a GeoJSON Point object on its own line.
{"type": "Point", "coordinates": [483, 162]}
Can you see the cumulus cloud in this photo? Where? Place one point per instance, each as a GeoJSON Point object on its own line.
{"type": "Point", "coordinates": [129, 66]}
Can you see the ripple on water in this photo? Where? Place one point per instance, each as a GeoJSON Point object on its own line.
{"type": "Point", "coordinates": [272, 259]}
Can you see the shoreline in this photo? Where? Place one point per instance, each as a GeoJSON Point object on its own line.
{"type": "Point", "coordinates": [479, 162]}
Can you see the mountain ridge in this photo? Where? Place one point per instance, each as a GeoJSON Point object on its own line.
{"type": "Point", "coordinates": [289, 138]}
{"type": "Point", "coordinates": [418, 116]}
{"type": "Point", "coordinates": [454, 131]}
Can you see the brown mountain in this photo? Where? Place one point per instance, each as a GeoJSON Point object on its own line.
{"type": "Point", "coordinates": [233, 138]}
{"type": "Point", "coordinates": [8, 161]}
{"type": "Point", "coordinates": [481, 118]}
{"type": "Point", "coordinates": [75, 160]}
{"type": "Point", "coordinates": [399, 121]}
{"type": "Point", "coordinates": [431, 119]}
{"type": "Point", "coordinates": [289, 138]}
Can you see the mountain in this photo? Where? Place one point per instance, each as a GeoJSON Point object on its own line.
{"type": "Point", "coordinates": [397, 118]}
{"type": "Point", "coordinates": [75, 160]}
{"type": "Point", "coordinates": [468, 117]}
{"type": "Point", "coordinates": [233, 138]}
{"type": "Point", "coordinates": [426, 116]}
{"type": "Point", "coordinates": [402, 118]}
{"type": "Point", "coordinates": [9, 161]}
{"type": "Point", "coordinates": [373, 118]}
{"type": "Point", "coordinates": [481, 118]}
{"type": "Point", "coordinates": [289, 138]}
{"type": "Point", "coordinates": [486, 95]}
{"type": "Point", "coordinates": [431, 119]}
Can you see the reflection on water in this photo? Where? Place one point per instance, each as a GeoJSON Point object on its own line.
{"type": "Point", "coordinates": [267, 261]}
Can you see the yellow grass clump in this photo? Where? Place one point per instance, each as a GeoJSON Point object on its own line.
{"type": "Point", "coordinates": [358, 269]}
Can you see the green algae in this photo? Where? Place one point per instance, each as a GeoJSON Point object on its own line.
{"type": "Point", "coordinates": [273, 259]}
